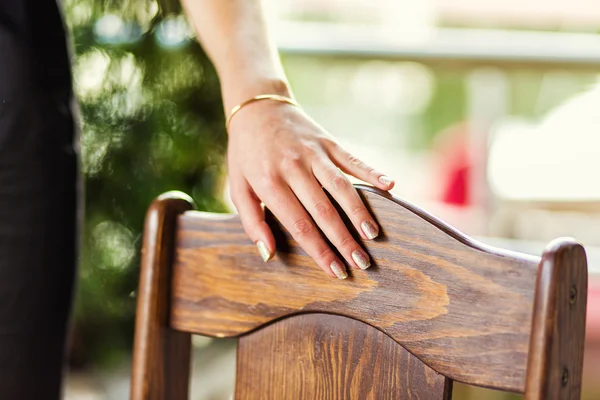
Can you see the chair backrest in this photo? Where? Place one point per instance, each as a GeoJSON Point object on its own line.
{"type": "Point", "coordinates": [435, 307]}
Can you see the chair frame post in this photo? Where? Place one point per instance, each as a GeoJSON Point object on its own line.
{"type": "Point", "coordinates": [555, 360]}
{"type": "Point", "coordinates": [161, 356]}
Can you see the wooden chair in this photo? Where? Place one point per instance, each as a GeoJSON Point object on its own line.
{"type": "Point", "coordinates": [435, 307]}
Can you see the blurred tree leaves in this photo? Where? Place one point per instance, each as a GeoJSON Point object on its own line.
{"type": "Point", "coordinates": [152, 121]}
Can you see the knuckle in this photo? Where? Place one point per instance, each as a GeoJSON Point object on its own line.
{"type": "Point", "coordinates": [324, 253]}
{"type": "Point", "coordinates": [355, 161]}
{"type": "Point", "coordinates": [347, 241]}
{"type": "Point", "coordinates": [339, 181]}
{"type": "Point", "coordinates": [246, 219]}
{"type": "Point", "coordinates": [292, 161]}
{"type": "Point", "coordinates": [291, 164]}
{"type": "Point", "coordinates": [312, 146]}
{"type": "Point", "coordinates": [269, 180]}
{"type": "Point", "coordinates": [358, 209]}
{"type": "Point", "coordinates": [324, 210]}
{"type": "Point", "coordinates": [248, 229]}
{"type": "Point", "coordinates": [329, 142]}
{"type": "Point", "coordinates": [302, 227]}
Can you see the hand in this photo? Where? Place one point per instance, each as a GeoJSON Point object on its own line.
{"type": "Point", "coordinates": [279, 156]}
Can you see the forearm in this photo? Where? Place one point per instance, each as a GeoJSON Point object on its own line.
{"type": "Point", "coordinates": [235, 36]}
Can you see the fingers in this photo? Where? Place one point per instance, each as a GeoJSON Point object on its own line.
{"type": "Point", "coordinates": [357, 168]}
{"type": "Point", "coordinates": [300, 196]}
{"type": "Point", "coordinates": [313, 198]}
{"type": "Point", "coordinates": [282, 202]}
{"type": "Point", "coordinates": [253, 218]}
{"type": "Point", "coordinates": [342, 190]}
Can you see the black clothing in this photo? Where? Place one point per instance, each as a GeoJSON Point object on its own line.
{"type": "Point", "coordinates": [38, 199]}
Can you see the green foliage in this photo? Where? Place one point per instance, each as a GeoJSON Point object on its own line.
{"type": "Point", "coordinates": [152, 121]}
{"type": "Point", "coordinates": [446, 108]}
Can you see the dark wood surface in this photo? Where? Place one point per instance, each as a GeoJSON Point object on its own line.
{"type": "Point", "coordinates": [161, 356]}
{"type": "Point", "coordinates": [463, 309]}
{"type": "Point", "coordinates": [558, 329]}
{"type": "Point", "coordinates": [329, 357]}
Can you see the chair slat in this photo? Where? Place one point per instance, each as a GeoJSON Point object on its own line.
{"type": "Point", "coordinates": [329, 357]}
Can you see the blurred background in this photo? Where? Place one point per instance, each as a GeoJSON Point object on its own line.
{"type": "Point", "coordinates": [486, 114]}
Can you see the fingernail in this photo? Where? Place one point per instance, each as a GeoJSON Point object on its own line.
{"type": "Point", "coordinates": [386, 180]}
{"type": "Point", "coordinates": [339, 270]}
{"type": "Point", "coordinates": [264, 251]}
{"type": "Point", "coordinates": [361, 259]}
{"type": "Point", "coordinates": [369, 229]}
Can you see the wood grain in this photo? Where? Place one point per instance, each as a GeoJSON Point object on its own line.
{"type": "Point", "coordinates": [462, 308]}
{"type": "Point", "coordinates": [161, 355]}
{"type": "Point", "coordinates": [558, 327]}
{"type": "Point", "coordinates": [329, 357]}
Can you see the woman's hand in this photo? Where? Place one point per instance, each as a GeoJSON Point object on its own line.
{"type": "Point", "coordinates": [277, 155]}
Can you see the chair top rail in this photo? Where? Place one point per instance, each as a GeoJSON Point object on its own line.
{"type": "Point", "coordinates": [463, 308]}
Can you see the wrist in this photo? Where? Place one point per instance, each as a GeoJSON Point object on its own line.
{"type": "Point", "coordinates": [262, 97]}
{"type": "Point", "coordinates": [236, 92]}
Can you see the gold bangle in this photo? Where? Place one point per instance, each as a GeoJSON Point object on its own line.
{"type": "Point", "coordinates": [275, 97]}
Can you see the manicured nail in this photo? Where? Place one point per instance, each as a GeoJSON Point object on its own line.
{"type": "Point", "coordinates": [369, 229]}
{"type": "Point", "coordinates": [361, 259]}
{"type": "Point", "coordinates": [339, 270]}
{"type": "Point", "coordinates": [264, 251]}
{"type": "Point", "coordinates": [386, 180]}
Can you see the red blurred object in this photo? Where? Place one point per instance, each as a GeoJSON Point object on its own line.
{"type": "Point", "coordinates": [455, 166]}
{"type": "Point", "coordinates": [456, 185]}
{"type": "Point", "coordinates": [592, 331]}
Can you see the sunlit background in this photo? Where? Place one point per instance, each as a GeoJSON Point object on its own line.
{"type": "Point", "coordinates": [485, 112]}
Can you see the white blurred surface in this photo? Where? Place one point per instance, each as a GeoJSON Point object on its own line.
{"type": "Point", "coordinates": [556, 159]}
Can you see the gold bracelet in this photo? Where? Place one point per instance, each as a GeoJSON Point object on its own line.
{"type": "Point", "coordinates": [275, 97]}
